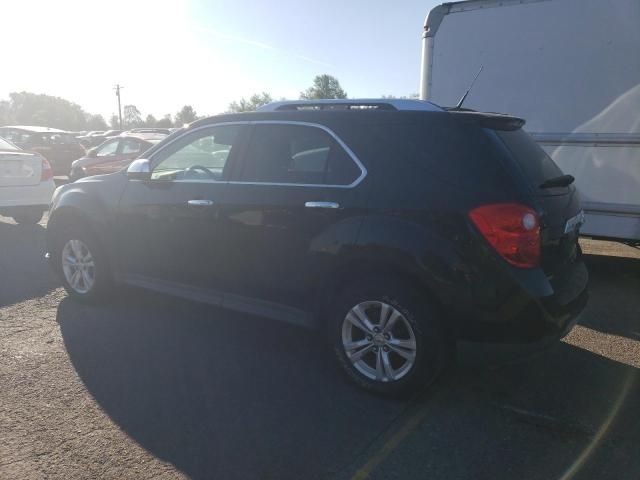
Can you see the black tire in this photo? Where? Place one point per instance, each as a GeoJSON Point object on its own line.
{"type": "Point", "coordinates": [103, 280]}
{"type": "Point", "coordinates": [433, 349]}
{"type": "Point", "coordinates": [28, 215]}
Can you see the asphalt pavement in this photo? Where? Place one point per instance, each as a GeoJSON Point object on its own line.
{"type": "Point", "coordinates": [153, 387]}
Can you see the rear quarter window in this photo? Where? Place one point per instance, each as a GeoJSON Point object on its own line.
{"type": "Point", "coordinates": [459, 155]}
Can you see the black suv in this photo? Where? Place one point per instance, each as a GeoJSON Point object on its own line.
{"type": "Point", "coordinates": [397, 225]}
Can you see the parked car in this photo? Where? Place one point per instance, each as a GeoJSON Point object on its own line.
{"type": "Point", "coordinates": [26, 183]}
{"type": "Point", "coordinates": [92, 139]}
{"type": "Point", "coordinates": [112, 155]}
{"type": "Point", "coordinates": [398, 226]}
{"type": "Point", "coordinates": [164, 131]}
{"type": "Point", "coordinates": [98, 138]}
{"type": "Point", "coordinates": [112, 133]}
{"type": "Point", "coordinates": [58, 146]}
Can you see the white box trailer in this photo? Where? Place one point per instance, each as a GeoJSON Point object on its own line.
{"type": "Point", "coordinates": [571, 68]}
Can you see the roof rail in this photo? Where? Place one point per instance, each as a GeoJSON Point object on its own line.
{"type": "Point", "coordinates": [351, 104]}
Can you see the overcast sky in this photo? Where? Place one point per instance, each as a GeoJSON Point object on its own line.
{"type": "Point", "coordinates": [207, 53]}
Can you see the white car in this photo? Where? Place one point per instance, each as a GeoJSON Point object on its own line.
{"type": "Point", "coordinates": [26, 183]}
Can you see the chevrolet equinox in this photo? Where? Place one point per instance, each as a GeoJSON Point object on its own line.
{"type": "Point", "coordinates": [396, 225]}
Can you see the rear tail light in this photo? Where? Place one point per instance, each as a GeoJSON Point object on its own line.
{"type": "Point", "coordinates": [46, 171]}
{"type": "Point", "coordinates": [513, 230]}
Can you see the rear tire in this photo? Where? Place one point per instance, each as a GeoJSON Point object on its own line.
{"type": "Point", "coordinates": [387, 337]}
{"type": "Point", "coordinates": [28, 215]}
{"type": "Point", "coordinates": [82, 264]}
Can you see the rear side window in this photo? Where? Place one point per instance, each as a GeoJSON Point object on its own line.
{"type": "Point", "coordinates": [530, 157]}
{"type": "Point", "coordinates": [297, 154]}
{"type": "Point", "coordinates": [443, 151]}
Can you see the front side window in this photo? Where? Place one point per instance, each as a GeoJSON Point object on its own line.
{"type": "Point", "coordinates": [201, 155]}
{"type": "Point", "coordinates": [107, 149]}
{"type": "Point", "coordinates": [297, 154]}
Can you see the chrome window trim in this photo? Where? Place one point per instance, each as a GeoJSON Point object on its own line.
{"type": "Point", "coordinates": [345, 147]}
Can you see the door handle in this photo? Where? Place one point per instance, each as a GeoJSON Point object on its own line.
{"type": "Point", "coordinates": [322, 205]}
{"type": "Point", "coordinates": [200, 203]}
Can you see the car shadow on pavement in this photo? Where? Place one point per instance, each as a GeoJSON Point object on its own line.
{"type": "Point", "coordinates": [218, 394]}
{"type": "Point", "coordinates": [223, 395]}
{"type": "Point", "coordinates": [23, 268]}
{"type": "Point", "coordinates": [616, 308]}
{"type": "Point", "coordinates": [561, 413]}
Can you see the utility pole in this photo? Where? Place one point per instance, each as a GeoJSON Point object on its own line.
{"type": "Point", "coordinates": [117, 89]}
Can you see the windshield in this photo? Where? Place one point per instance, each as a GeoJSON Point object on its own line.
{"type": "Point", "coordinates": [6, 145]}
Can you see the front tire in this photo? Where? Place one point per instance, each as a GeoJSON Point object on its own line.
{"type": "Point", "coordinates": [82, 265]}
{"type": "Point", "coordinates": [28, 215]}
{"type": "Point", "coordinates": [387, 338]}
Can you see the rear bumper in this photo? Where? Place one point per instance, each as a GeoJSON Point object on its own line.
{"type": "Point", "coordinates": [26, 196]}
{"type": "Point", "coordinates": [525, 317]}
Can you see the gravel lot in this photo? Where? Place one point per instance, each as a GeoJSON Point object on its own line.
{"type": "Point", "coordinates": [151, 387]}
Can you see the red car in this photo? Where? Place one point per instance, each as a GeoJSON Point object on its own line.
{"type": "Point", "coordinates": [113, 155]}
{"type": "Point", "coordinates": [60, 148]}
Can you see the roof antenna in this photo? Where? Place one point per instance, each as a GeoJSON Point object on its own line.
{"type": "Point", "coordinates": [464, 97]}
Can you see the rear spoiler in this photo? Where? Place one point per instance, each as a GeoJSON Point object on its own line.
{"type": "Point", "coordinates": [494, 121]}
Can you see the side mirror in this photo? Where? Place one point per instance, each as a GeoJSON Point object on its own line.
{"type": "Point", "coordinates": [92, 153]}
{"type": "Point", "coordinates": [139, 169]}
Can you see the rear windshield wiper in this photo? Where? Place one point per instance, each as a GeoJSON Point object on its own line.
{"type": "Point", "coordinates": [561, 181]}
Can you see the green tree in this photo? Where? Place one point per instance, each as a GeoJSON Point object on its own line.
{"type": "Point", "coordinates": [150, 121]}
{"type": "Point", "coordinates": [131, 116]}
{"type": "Point", "coordinates": [324, 86]}
{"type": "Point", "coordinates": [44, 110]}
{"type": "Point", "coordinates": [186, 115]}
{"type": "Point", "coordinates": [5, 113]}
{"type": "Point", "coordinates": [165, 122]}
{"type": "Point", "coordinates": [253, 103]}
{"type": "Point", "coordinates": [114, 122]}
{"type": "Point", "coordinates": [95, 122]}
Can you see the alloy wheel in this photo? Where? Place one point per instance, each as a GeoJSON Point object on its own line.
{"type": "Point", "coordinates": [379, 341]}
{"type": "Point", "coordinates": [78, 266]}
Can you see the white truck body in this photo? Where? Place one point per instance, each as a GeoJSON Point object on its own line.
{"type": "Point", "coordinates": [571, 68]}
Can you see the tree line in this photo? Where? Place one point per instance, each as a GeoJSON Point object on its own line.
{"type": "Point", "coordinates": [25, 108]}
{"type": "Point", "coordinates": [324, 87]}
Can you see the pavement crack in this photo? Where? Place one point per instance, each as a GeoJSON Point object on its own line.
{"type": "Point", "coordinates": [547, 422]}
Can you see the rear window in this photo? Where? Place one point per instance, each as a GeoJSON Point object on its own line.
{"type": "Point", "coordinates": [532, 159]}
